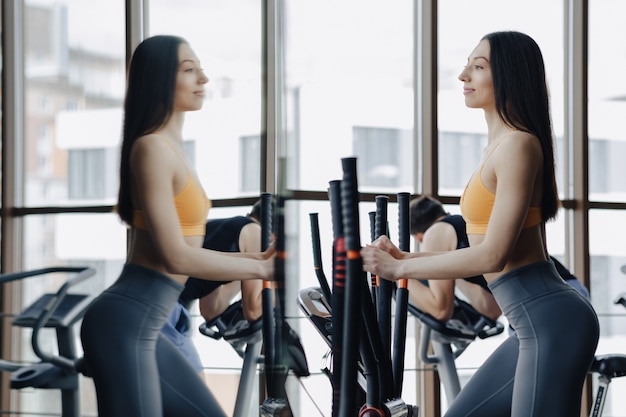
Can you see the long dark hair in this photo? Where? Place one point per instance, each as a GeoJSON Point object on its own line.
{"type": "Point", "coordinates": [522, 100]}
{"type": "Point", "coordinates": [148, 104]}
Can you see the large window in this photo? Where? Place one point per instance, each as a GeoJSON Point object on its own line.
{"type": "Point", "coordinates": [226, 132]}
{"type": "Point", "coordinates": [607, 178]}
{"type": "Point", "coordinates": [349, 83]}
{"type": "Point", "coordinates": [226, 36]}
{"type": "Point", "coordinates": [74, 80]}
{"type": "Point", "coordinates": [74, 86]}
{"type": "Point", "coordinates": [462, 131]}
{"type": "Point", "coordinates": [346, 74]}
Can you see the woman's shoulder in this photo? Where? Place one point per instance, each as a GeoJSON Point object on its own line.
{"type": "Point", "coordinates": [521, 143]}
{"type": "Point", "coordinates": [150, 142]}
{"type": "Point", "coordinates": [151, 148]}
{"type": "Point", "coordinates": [520, 137]}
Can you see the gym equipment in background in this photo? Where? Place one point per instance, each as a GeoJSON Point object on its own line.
{"type": "Point", "coordinates": [58, 311]}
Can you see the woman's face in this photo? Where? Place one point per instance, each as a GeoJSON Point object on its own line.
{"type": "Point", "coordinates": [477, 79]}
{"type": "Point", "coordinates": [190, 81]}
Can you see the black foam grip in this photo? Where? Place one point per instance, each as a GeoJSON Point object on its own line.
{"type": "Point", "coordinates": [372, 216]}
{"type": "Point", "coordinates": [382, 203]}
{"type": "Point", "coordinates": [404, 242]}
{"type": "Point", "coordinates": [350, 204]}
{"type": "Point", "coordinates": [334, 195]}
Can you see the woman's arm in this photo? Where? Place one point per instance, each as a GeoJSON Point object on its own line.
{"type": "Point", "coordinates": [511, 171]}
{"type": "Point", "coordinates": [158, 176]}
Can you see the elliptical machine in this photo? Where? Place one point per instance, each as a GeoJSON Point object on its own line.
{"type": "Point", "coordinates": [364, 379]}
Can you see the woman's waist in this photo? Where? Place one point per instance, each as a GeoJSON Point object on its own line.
{"type": "Point", "coordinates": [157, 267]}
{"type": "Point", "coordinates": [526, 282]}
{"type": "Point", "coordinates": [146, 285]}
{"type": "Point", "coordinates": [514, 265]}
{"type": "Point", "coordinates": [144, 253]}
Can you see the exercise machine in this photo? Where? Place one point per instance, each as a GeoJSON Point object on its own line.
{"type": "Point", "coordinates": [361, 352]}
{"type": "Point", "coordinates": [58, 311]}
{"type": "Point", "coordinates": [246, 338]}
{"type": "Point", "coordinates": [450, 338]}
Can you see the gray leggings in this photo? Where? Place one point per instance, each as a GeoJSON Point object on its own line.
{"type": "Point", "coordinates": [136, 370]}
{"type": "Point", "coordinates": [540, 370]}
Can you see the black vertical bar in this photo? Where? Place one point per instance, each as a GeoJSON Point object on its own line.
{"type": "Point", "coordinates": [317, 256]}
{"type": "Point", "coordinates": [352, 303]}
{"type": "Point", "coordinates": [384, 287]}
{"type": "Point", "coordinates": [373, 277]}
{"type": "Point", "coordinates": [402, 296]}
{"type": "Point", "coordinates": [338, 294]}
{"type": "Point", "coordinates": [267, 300]}
{"type": "Point", "coordinates": [279, 292]}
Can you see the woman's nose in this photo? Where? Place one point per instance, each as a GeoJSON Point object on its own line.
{"type": "Point", "coordinates": [463, 75]}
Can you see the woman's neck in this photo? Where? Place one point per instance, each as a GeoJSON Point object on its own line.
{"type": "Point", "coordinates": [173, 129]}
{"type": "Point", "coordinates": [496, 128]}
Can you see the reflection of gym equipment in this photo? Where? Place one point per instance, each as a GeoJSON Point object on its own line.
{"type": "Point", "coordinates": [58, 311]}
{"type": "Point", "coordinates": [607, 367]}
{"type": "Point", "coordinates": [273, 298]}
{"type": "Point", "coordinates": [246, 338]}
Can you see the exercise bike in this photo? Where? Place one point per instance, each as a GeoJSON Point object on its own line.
{"type": "Point", "coordinates": [246, 339]}
{"type": "Point", "coordinates": [450, 338]}
{"type": "Point", "coordinates": [58, 311]}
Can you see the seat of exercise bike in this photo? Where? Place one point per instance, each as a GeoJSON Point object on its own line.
{"type": "Point", "coordinates": [611, 365]}
{"type": "Point", "coordinates": [70, 310]}
{"type": "Point", "coordinates": [465, 325]}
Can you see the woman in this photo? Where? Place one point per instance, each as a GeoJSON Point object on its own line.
{"type": "Point", "coordinates": [166, 208]}
{"type": "Point", "coordinates": [506, 204]}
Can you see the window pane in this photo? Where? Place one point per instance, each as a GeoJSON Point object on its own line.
{"type": "Point", "coordinates": [462, 131]}
{"type": "Point", "coordinates": [226, 36]}
{"type": "Point", "coordinates": [607, 101]}
{"type": "Point", "coordinates": [74, 86]}
{"type": "Point", "coordinates": [349, 91]}
{"type": "Point", "coordinates": [607, 284]}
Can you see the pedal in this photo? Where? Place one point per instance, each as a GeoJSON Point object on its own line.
{"type": "Point", "coordinates": [275, 407]}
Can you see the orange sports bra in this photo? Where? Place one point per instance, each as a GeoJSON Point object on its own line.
{"type": "Point", "coordinates": [192, 206]}
{"type": "Point", "coordinates": [477, 203]}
